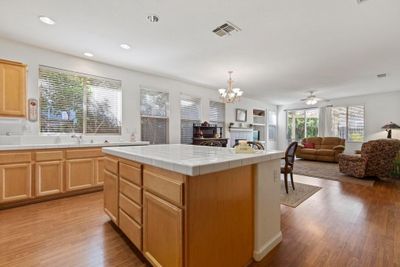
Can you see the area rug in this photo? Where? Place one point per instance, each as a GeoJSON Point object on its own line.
{"type": "Point", "coordinates": [326, 170]}
{"type": "Point", "coordinates": [297, 196]}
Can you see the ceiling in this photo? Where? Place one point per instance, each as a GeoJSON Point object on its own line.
{"type": "Point", "coordinates": [285, 48]}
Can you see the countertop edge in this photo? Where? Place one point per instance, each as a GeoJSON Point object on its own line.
{"type": "Point", "coordinates": [55, 146]}
{"type": "Point", "coordinates": [196, 169]}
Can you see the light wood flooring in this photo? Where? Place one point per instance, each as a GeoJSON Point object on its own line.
{"type": "Point", "coordinates": [343, 224]}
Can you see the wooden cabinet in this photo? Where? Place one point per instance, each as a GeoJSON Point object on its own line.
{"type": "Point", "coordinates": [80, 173]}
{"type": "Point", "coordinates": [49, 178]}
{"type": "Point", "coordinates": [15, 182]}
{"type": "Point", "coordinates": [12, 89]}
{"type": "Point", "coordinates": [162, 232]}
{"type": "Point", "coordinates": [99, 178]}
{"type": "Point", "coordinates": [111, 195]}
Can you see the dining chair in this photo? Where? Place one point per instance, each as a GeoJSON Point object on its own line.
{"type": "Point", "coordinates": [290, 156]}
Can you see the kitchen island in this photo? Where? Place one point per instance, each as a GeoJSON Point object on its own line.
{"type": "Point", "coordinates": [184, 205]}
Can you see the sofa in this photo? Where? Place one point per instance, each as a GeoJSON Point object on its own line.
{"type": "Point", "coordinates": [320, 148]}
{"type": "Point", "coordinates": [376, 159]}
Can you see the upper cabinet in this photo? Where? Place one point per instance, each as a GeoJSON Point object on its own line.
{"type": "Point", "coordinates": [12, 89]}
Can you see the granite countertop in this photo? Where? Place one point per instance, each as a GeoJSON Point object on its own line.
{"type": "Point", "coordinates": [189, 159]}
{"type": "Point", "coordinates": [70, 145]}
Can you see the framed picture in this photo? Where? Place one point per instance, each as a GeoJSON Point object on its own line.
{"type": "Point", "coordinates": [241, 115]}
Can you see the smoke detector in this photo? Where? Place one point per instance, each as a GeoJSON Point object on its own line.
{"type": "Point", "coordinates": [226, 29]}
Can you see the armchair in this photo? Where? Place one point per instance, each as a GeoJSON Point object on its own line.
{"type": "Point", "coordinates": [376, 159]}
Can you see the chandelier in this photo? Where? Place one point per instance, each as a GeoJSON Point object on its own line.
{"type": "Point", "coordinates": [230, 95]}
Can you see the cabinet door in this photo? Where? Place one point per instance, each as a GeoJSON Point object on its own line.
{"type": "Point", "coordinates": [99, 171]}
{"type": "Point", "coordinates": [80, 174]}
{"type": "Point", "coordinates": [162, 232]}
{"type": "Point", "coordinates": [15, 182]}
{"type": "Point", "coordinates": [12, 90]}
{"type": "Point", "coordinates": [49, 178]}
{"type": "Point", "coordinates": [111, 195]}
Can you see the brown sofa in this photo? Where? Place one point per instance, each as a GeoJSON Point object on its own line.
{"type": "Point", "coordinates": [326, 149]}
{"type": "Point", "coordinates": [376, 159]}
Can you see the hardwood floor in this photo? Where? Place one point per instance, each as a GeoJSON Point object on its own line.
{"type": "Point", "coordinates": [65, 232]}
{"type": "Point", "coordinates": [343, 224]}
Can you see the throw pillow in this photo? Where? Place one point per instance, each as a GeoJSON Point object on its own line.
{"type": "Point", "coordinates": [309, 145]}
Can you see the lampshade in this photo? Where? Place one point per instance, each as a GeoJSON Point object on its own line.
{"type": "Point", "coordinates": [391, 125]}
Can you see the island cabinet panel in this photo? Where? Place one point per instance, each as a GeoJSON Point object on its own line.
{"type": "Point", "coordinates": [162, 232]}
{"type": "Point", "coordinates": [220, 219]}
{"type": "Point", "coordinates": [80, 174]}
{"type": "Point", "coordinates": [49, 178]}
{"type": "Point", "coordinates": [130, 208]}
{"type": "Point", "coordinates": [111, 195]}
{"type": "Point", "coordinates": [166, 184]}
{"type": "Point", "coordinates": [111, 165]}
{"type": "Point", "coordinates": [15, 182]}
{"type": "Point", "coordinates": [131, 191]}
{"type": "Point", "coordinates": [131, 229]}
{"type": "Point", "coordinates": [131, 173]}
{"type": "Point", "coordinates": [12, 89]}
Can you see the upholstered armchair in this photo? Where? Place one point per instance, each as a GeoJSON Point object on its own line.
{"type": "Point", "coordinates": [376, 159]}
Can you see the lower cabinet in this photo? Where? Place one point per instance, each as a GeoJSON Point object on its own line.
{"type": "Point", "coordinates": [49, 178]}
{"type": "Point", "coordinates": [80, 173]}
{"type": "Point", "coordinates": [15, 182]}
{"type": "Point", "coordinates": [111, 195]}
{"type": "Point", "coordinates": [162, 231]}
{"type": "Point", "coordinates": [99, 178]}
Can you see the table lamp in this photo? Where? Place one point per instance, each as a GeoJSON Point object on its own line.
{"type": "Point", "coordinates": [388, 128]}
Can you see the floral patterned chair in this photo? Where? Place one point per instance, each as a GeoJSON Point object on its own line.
{"type": "Point", "coordinates": [376, 159]}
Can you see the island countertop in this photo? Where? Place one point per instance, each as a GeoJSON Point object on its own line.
{"type": "Point", "coordinates": [189, 159]}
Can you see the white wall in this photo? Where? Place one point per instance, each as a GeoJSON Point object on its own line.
{"type": "Point", "coordinates": [131, 83]}
{"type": "Point", "coordinates": [249, 105]}
{"type": "Point", "coordinates": [379, 110]}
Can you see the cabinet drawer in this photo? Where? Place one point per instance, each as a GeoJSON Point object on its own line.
{"type": "Point", "coordinates": [49, 155]}
{"type": "Point", "coordinates": [130, 173]}
{"type": "Point", "coordinates": [131, 191]}
{"type": "Point", "coordinates": [83, 153]}
{"type": "Point", "coordinates": [111, 165]}
{"type": "Point", "coordinates": [130, 208]}
{"type": "Point", "coordinates": [131, 229]}
{"type": "Point", "coordinates": [17, 157]}
{"type": "Point", "coordinates": [171, 190]}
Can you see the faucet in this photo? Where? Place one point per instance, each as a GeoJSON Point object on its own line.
{"type": "Point", "coordinates": [78, 138]}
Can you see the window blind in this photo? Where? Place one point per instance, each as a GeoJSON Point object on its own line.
{"type": "Point", "coordinates": [154, 116]}
{"type": "Point", "coordinates": [348, 122]}
{"type": "Point", "coordinates": [355, 125]}
{"type": "Point", "coordinates": [190, 113]}
{"type": "Point", "coordinates": [272, 125]}
{"type": "Point", "coordinates": [339, 122]}
{"type": "Point", "coordinates": [217, 113]}
{"type": "Point", "coordinates": [77, 102]}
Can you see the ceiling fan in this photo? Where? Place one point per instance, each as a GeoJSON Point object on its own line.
{"type": "Point", "coordinates": [312, 99]}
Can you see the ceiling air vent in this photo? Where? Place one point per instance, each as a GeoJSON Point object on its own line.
{"type": "Point", "coordinates": [226, 29]}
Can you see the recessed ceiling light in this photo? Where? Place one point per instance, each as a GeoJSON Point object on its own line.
{"type": "Point", "coordinates": [47, 20]}
{"type": "Point", "coordinates": [153, 18]}
{"type": "Point", "coordinates": [125, 46]}
{"type": "Point", "coordinates": [88, 54]}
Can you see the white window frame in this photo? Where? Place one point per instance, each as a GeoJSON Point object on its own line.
{"type": "Point", "coordinates": [152, 116]}
{"type": "Point", "coordinates": [84, 108]}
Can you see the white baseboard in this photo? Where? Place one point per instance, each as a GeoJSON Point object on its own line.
{"type": "Point", "coordinates": [267, 247]}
